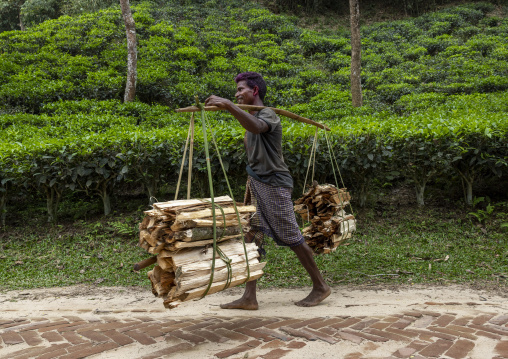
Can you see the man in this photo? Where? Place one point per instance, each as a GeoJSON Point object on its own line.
{"type": "Point", "coordinates": [270, 186]}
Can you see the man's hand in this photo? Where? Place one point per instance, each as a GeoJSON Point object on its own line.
{"type": "Point", "coordinates": [218, 101]}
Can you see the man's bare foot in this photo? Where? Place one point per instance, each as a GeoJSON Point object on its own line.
{"type": "Point", "coordinates": [314, 298]}
{"type": "Point", "coordinates": [241, 303]}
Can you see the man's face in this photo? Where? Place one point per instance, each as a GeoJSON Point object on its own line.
{"type": "Point", "coordinates": [244, 94]}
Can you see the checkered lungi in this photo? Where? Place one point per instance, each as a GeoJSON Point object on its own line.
{"type": "Point", "coordinates": [274, 215]}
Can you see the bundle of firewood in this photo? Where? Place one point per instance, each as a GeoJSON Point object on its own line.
{"type": "Point", "coordinates": [324, 207]}
{"type": "Point", "coordinates": [180, 233]}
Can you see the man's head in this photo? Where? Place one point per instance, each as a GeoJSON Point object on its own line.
{"type": "Point", "coordinates": [254, 81]}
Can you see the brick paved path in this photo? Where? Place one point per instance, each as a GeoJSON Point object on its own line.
{"type": "Point", "coordinates": [413, 334]}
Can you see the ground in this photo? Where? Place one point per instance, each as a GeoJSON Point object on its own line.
{"type": "Point", "coordinates": [353, 323]}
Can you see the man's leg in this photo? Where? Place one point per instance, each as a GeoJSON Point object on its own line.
{"type": "Point", "coordinates": [248, 301]}
{"type": "Point", "coordinates": [320, 290]}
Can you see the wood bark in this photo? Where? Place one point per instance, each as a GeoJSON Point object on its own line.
{"type": "Point", "coordinates": [356, 57]}
{"type": "Point", "coordinates": [132, 53]}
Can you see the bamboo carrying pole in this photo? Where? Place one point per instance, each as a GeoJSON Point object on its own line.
{"type": "Point", "coordinates": [278, 111]}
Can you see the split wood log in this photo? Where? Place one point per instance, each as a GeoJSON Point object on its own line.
{"type": "Point", "coordinates": [238, 269]}
{"type": "Point", "coordinates": [199, 233]}
{"type": "Point", "coordinates": [219, 286]}
{"type": "Point", "coordinates": [219, 222]}
{"type": "Point", "coordinates": [209, 213]}
{"type": "Point", "coordinates": [179, 245]}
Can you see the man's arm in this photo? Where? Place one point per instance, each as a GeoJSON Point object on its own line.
{"type": "Point", "coordinates": [250, 122]}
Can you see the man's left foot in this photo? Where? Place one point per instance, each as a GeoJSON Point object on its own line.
{"type": "Point", "coordinates": [314, 298]}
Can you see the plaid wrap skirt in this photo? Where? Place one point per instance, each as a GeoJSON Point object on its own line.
{"type": "Point", "coordinates": [274, 216]}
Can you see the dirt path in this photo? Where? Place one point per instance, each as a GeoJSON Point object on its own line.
{"type": "Point", "coordinates": [372, 322]}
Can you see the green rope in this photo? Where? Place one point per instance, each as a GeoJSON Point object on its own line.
{"type": "Point", "coordinates": [209, 170]}
{"type": "Point", "coordinates": [234, 204]}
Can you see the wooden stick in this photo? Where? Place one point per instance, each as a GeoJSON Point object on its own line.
{"type": "Point", "coordinates": [145, 263]}
{"type": "Point", "coordinates": [278, 111]}
{"type": "Point", "coordinates": [191, 151]}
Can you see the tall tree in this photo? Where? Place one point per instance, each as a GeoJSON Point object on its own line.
{"type": "Point", "coordinates": [356, 53]}
{"type": "Point", "coordinates": [132, 53]}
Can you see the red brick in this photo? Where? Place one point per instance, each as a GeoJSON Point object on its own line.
{"type": "Point", "coordinates": [296, 344]}
{"type": "Point", "coordinates": [276, 354]}
{"type": "Point", "coordinates": [462, 321]}
{"type": "Point", "coordinates": [363, 324]}
{"type": "Point", "coordinates": [461, 328]}
{"type": "Point", "coordinates": [387, 335]}
{"type": "Point", "coordinates": [198, 326]}
{"type": "Point", "coordinates": [275, 334]}
{"type": "Point", "coordinates": [460, 349]}
{"type": "Point", "coordinates": [418, 345]}
{"type": "Point", "coordinates": [453, 332]}
{"type": "Point", "coordinates": [231, 334]}
{"type": "Point", "coordinates": [380, 325]}
{"type": "Point", "coordinates": [178, 348]}
{"type": "Point", "coordinates": [413, 314]}
{"type": "Point", "coordinates": [53, 354]}
{"type": "Point", "coordinates": [304, 323]}
{"type": "Point", "coordinates": [282, 323]}
{"type": "Point", "coordinates": [274, 344]}
{"type": "Point", "coordinates": [210, 336]}
{"type": "Point", "coordinates": [140, 337]}
{"type": "Point", "coordinates": [239, 349]}
{"type": "Point", "coordinates": [443, 320]}
{"type": "Point", "coordinates": [502, 348]}
{"type": "Point", "coordinates": [430, 313]}
{"type": "Point", "coordinates": [80, 347]}
{"type": "Point", "coordinates": [299, 333]}
{"type": "Point", "coordinates": [74, 338]}
{"type": "Point", "coordinates": [119, 338]}
{"type": "Point", "coordinates": [153, 332]}
{"type": "Point", "coordinates": [138, 326]}
{"type": "Point", "coordinates": [11, 338]}
{"type": "Point", "coordinates": [243, 322]}
{"type": "Point", "coordinates": [482, 319]}
{"type": "Point", "coordinates": [95, 336]}
{"type": "Point", "coordinates": [351, 337]}
{"type": "Point", "coordinates": [52, 337]}
{"type": "Point", "coordinates": [401, 324]}
{"type": "Point", "coordinates": [112, 325]}
{"type": "Point", "coordinates": [55, 326]}
{"type": "Point", "coordinates": [436, 349]}
{"type": "Point", "coordinates": [73, 318]}
{"type": "Point", "coordinates": [371, 337]}
{"type": "Point", "coordinates": [325, 323]}
{"type": "Point", "coordinates": [499, 320]}
{"type": "Point", "coordinates": [488, 329]}
{"type": "Point", "coordinates": [262, 323]}
{"type": "Point", "coordinates": [328, 331]}
{"type": "Point", "coordinates": [96, 349]}
{"type": "Point", "coordinates": [31, 338]}
{"type": "Point", "coordinates": [194, 339]}
{"type": "Point", "coordinates": [322, 336]}
{"type": "Point", "coordinates": [488, 335]}
{"type": "Point", "coordinates": [255, 334]}
{"type": "Point", "coordinates": [10, 324]}
{"type": "Point", "coordinates": [39, 353]}
{"type": "Point", "coordinates": [346, 323]}
{"type": "Point", "coordinates": [405, 333]}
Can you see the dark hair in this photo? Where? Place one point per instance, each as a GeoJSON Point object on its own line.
{"type": "Point", "coordinates": [253, 79]}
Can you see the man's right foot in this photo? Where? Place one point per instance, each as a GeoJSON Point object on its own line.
{"type": "Point", "coordinates": [241, 303]}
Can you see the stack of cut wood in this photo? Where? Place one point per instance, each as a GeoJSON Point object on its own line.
{"type": "Point", "coordinates": [324, 207]}
{"type": "Point", "coordinates": [180, 233]}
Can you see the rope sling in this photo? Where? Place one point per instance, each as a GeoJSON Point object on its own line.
{"type": "Point", "coordinates": [216, 248]}
{"type": "Point", "coordinates": [190, 139]}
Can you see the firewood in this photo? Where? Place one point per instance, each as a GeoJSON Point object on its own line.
{"type": "Point", "coordinates": [199, 233]}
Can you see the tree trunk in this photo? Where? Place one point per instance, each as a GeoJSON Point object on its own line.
{"type": "Point", "coordinates": [420, 190]}
{"type": "Point", "coordinates": [356, 54]}
{"type": "Point", "coordinates": [3, 208]}
{"type": "Point", "coordinates": [106, 200]}
{"type": "Point", "coordinates": [53, 197]}
{"type": "Point", "coordinates": [130, 30]}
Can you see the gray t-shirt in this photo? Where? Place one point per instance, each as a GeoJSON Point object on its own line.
{"type": "Point", "coordinates": [264, 153]}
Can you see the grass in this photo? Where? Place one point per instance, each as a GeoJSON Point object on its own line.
{"type": "Point", "coordinates": [394, 244]}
